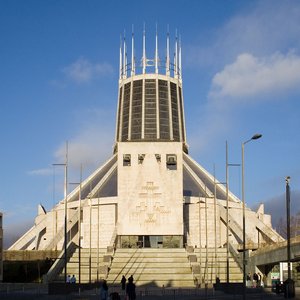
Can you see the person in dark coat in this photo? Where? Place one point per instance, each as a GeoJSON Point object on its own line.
{"type": "Point", "coordinates": [255, 280]}
{"type": "Point", "coordinates": [123, 282]}
{"type": "Point", "coordinates": [104, 291]}
{"type": "Point", "coordinates": [130, 289]}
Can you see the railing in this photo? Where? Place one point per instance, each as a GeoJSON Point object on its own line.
{"type": "Point", "coordinates": [236, 256]}
{"type": "Point", "coordinates": [112, 244]}
{"type": "Point", "coordinates": [60, 233]}
{"type": "Point", "coordinates": [33, 288]}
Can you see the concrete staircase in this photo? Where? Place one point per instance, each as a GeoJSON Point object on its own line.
{"type": "Point", "coordinates": [87, 274]}
{"type": "Point", "coordinates": [152, 267]}
{"type": "Point", "coordinates": [155, 267]}
{"type": "Point", "coordinates": [213, 266]}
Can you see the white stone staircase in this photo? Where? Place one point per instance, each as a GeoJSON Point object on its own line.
{"type": "Point", "coordinates": [215, 265]}
{"type": "Point", "coordinates": [88, 274]}
{"type": "Point", "coordinates": [152, 267]}
{"type": "Point", "coordinates": [159, 267]}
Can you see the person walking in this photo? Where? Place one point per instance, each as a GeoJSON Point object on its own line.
{"type": "Point", "coordinates": [73, 279]}
{"type": "Point", "coordinates": [69, 278]}
{"type": "Point", "coordinates": [130, 289]}
{"type": "Point", "coordinates": [123, 282]}
{"type": "Point", "coordinates": [104, 291]}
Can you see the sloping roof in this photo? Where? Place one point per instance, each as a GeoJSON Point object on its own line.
{"type": "Point", "coordinates": [200, 183]}
{"type": "Point", "coordinates": [197, 182]}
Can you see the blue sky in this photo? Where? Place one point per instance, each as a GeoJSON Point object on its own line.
{"type": "Point", "coordinates": [59, 81]}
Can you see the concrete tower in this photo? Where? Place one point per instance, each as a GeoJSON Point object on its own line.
{"type": "Point", "coordinates": [150, 140]}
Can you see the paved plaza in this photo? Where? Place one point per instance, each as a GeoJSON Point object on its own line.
{"type": "Point", "coordinates": [168, 294]}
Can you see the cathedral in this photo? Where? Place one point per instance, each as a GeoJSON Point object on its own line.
{"type": "Point", "coordinates": [151, 195]}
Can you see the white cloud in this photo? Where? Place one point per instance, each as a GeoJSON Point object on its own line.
{"type": "Point", "coordinates": [250, 76]}
{"type": "Point", "coordinates": [263, 28]}
{"type": "Point", "coordinates": [252, 56]}
{"type": "Point", "coordinates": [83, 71]}
{"type": "Point", "coordinates": [92, 144]}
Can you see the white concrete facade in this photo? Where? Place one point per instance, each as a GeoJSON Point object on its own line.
{"type": "Point", "coordinates": [149, 193]}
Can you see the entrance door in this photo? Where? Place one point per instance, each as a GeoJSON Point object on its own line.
{"type": "Point", "coordinates": [150, 241]}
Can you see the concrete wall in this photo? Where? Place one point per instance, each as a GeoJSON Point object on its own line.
{"type": "Point", "coordinates": [202, 223]}
{"type": "Point", "coordinates": [206, 225]}
{"type": "Point", "coordinates": [101, 219]}
{"type": "Point", "coordinates": [149, 194]}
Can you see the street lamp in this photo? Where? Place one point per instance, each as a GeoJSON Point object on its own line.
{"type": "Point", "coordinates": [289, 283]}
{"type": "Point", "coordinates": [79, 225]}
{"type": "Point", "coordinates": [227, 212]}
{"type": "Point", "coordinates": [65, 209]}
{"type": "Point", "coordinates": [215, 219]}
{"type": "Point", "coordinates": [254, 137]}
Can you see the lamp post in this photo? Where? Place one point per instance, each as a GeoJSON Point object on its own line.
{"type": "Point", "coordinates": [65, 209]}
{"type": "Point", "coordinates": [79, 225]}
{"type": "Point", "coordinates": [227, 218]}
{"type": "Point", "coordinates": [215, 217]}
{"type": "Point", "coordinates": [90, 242]}
{"type": "Point", "coordinates": [254, 137]}
{"type": "Point", "coordinates": [288, 228]}
{"type": "Point", "coordinates": [206, 233]}
{"type": "Point", "coordinates": [227, 212]}
{"type": "Point", "coordinates": [289, 283]}
{"type": "Point", "coordinates": [98, 236]}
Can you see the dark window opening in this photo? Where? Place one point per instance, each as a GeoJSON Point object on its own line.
{"type": "Point", "coordinates": [171, 161]}
{"type": "Point", "coordinates": [141, 158]}
{"type": "Point", "coordinates": [158, 157]}
{"type": "Point", "coordinates": [126, 160]}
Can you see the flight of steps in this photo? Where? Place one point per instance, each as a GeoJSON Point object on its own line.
{"type": "Point", "coordinates": [73, 265]}
{"type": "Point", "coordinates": [152, 267]}
{"type": "Point", "coordinates": [212, 267]}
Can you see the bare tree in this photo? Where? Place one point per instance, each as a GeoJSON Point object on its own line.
{"type": "Point", "coordinates": [295, 226]}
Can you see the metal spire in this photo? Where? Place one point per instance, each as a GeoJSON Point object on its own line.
{"type": "Point", "coordinates": [124, 59]}
{"type": "Point", "coordinates": [176, 57]}
{"type": "Point", "coordinates": [168, 54]}
{"type": "Point", "coordinates": [132, 54]}
{"type": "Point", "coordinates": [144, 51]}
{"type": "Point", "coordinates": [156, 52]}
{"type": "Point", "coordinates": [120, 69]}
{"type": "Point", "coordinates": [179, 63]}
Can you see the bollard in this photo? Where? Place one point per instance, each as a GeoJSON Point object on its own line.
{"type": "Point", "coordinates": [289, 288]}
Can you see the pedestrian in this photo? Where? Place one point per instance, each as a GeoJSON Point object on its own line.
{"type": "Point", "coordinates": [130, 289]}
{"type": "Point", "coordinates": [104, 291]}
{"type": "Point", "coordinates": [264, 280]}
{"type": "Point", "coordinates": [73, 279]}
{"type": "Point", "coordinates": [259, 280]}
{"type": "Point", "coordinates": [255, 280]}
{"type": "Point", "coordinates": [249, 280]}
{"type": "Point", "coordinates": [123, 282]}
{"type": "Point", "coordinates": [68, 279]}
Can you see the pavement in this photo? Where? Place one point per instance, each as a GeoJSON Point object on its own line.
{"type": "Point", "coordinates": [163, 294]}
